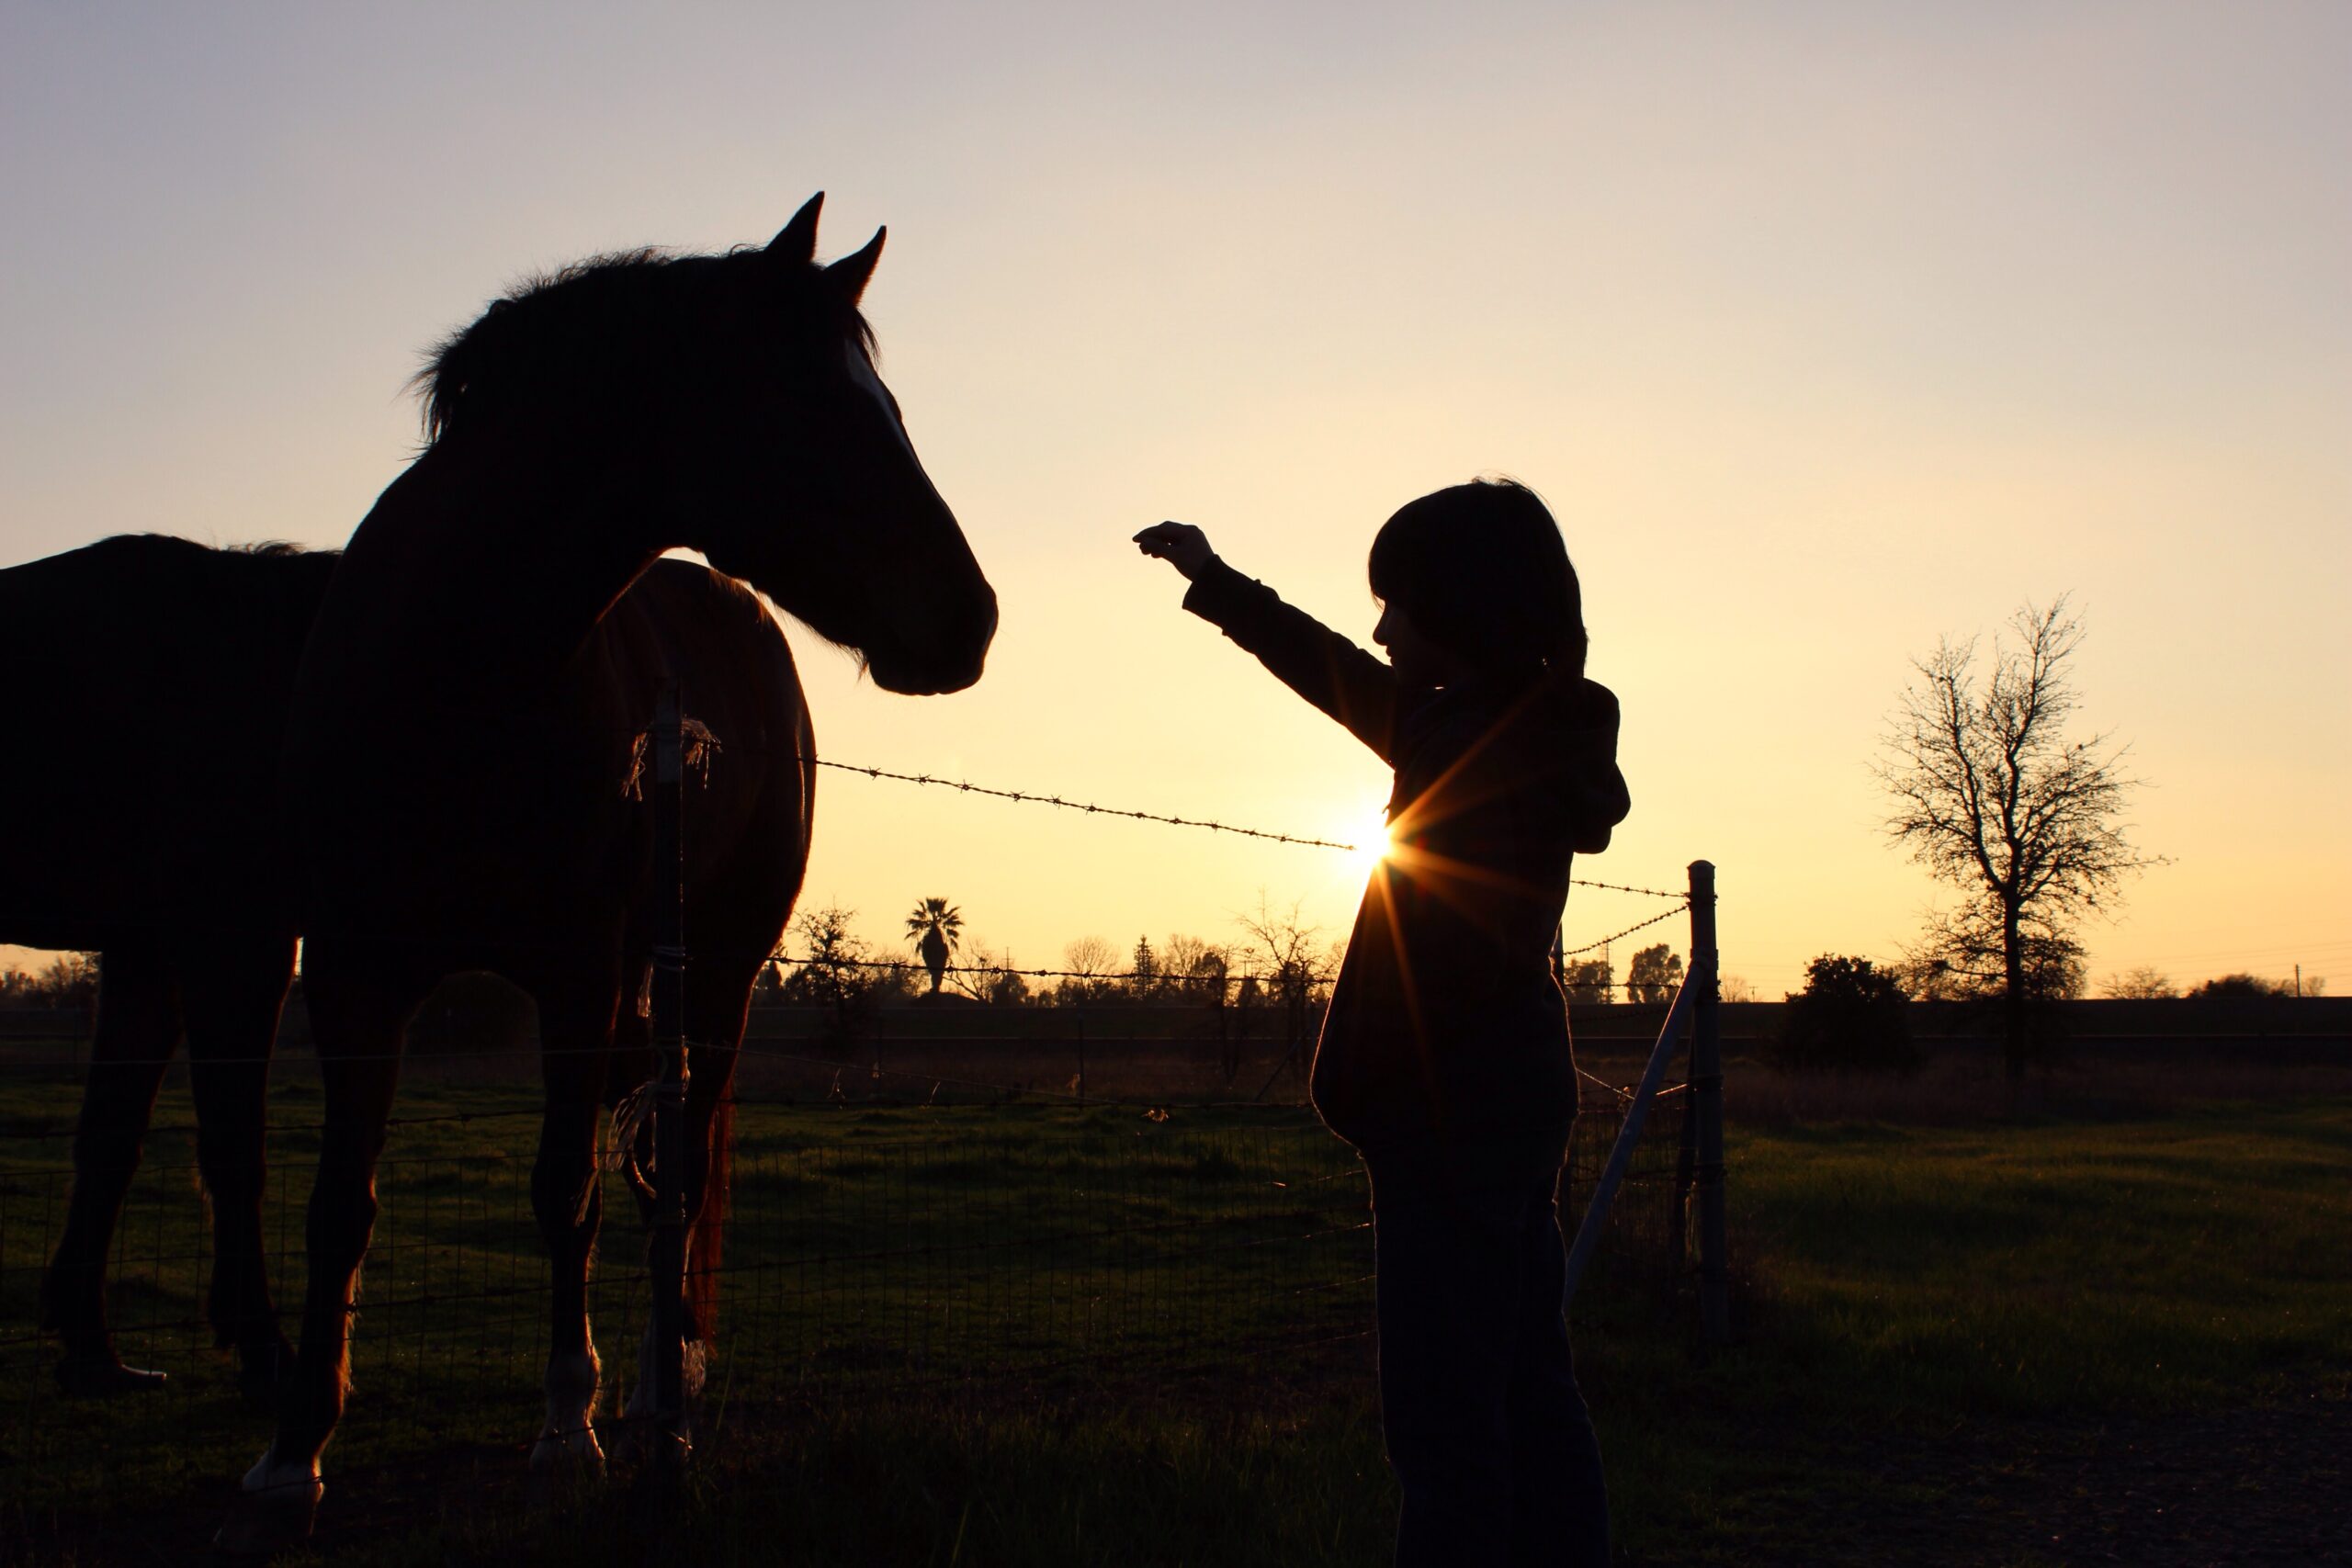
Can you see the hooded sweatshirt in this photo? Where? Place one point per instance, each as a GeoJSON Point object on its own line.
{"type": "Point", "coordinates": [1445, 1057]}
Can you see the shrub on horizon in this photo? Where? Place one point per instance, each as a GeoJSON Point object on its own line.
{"type": "Point", "coordinates": [1850, 1017]}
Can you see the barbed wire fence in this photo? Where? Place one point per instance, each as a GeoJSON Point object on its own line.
{"type": "Point", "coordinates": [979, 1197]}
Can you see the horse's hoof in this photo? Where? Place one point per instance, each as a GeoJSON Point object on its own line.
{"type": "Point", "coordinates": [267, 1520]}
{"type": "Point", "coordinates": [101, 1376]}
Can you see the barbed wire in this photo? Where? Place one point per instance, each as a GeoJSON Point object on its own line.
{"type": "Point", "coordinates": [876, 1070]}
{"type": "Point", "coordinates": [1682, 897]}
{"type": "Point", "coordinates": [1628, 931]}
{"type": "Point", "coordinates": [1036, 797]}
{"type": "Point", "coordinates": [1626, 1095]}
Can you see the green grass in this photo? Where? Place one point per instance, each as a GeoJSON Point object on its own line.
{"type": "Point", "coordinates": [2133, 1265]}
{"type": "Point", "coordinates": [872, 1252]}
{"type": "Point", "coordinates": [1157, 1331]}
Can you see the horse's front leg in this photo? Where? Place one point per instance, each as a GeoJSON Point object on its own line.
{"type": "Point", "coordinates": [234, 998]}
{"type": "Point", "coordinates": [139, 1024]}
{"type": "Point", "coordinates": [359, 1011]}
{"type": "Point", "coordinates": [575, 1031]}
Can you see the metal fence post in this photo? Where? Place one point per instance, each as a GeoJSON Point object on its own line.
{"type": "Point", "coordinates": [668, 1251]}
{"type": "Point", "coordinates": [1707, 1105]}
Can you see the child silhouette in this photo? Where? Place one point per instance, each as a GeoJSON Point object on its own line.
{"type": "Point", "coordinates": [1445, 1058]}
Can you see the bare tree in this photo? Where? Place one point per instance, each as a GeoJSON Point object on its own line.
{"type": "Point", "coordinates": [1991, 795]}
{"type": "Point", "coordinates": [988, 976]}
{"type": "Point", "coordinates": [1088, 960]}
{"type": "Point", "coordinates": [1296, 963]}
{"type": "Point", "coordinates": [1195, 968]}
{"type": "Point", "coordinates": [2142, 984]}
{"type": "Point", "coordinates": [1290, 951]}
{"type": "Point", "coordinates": [1198, 972]}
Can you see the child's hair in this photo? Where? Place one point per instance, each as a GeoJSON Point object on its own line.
{"type": "Point", "coordinates": [1481, 570]}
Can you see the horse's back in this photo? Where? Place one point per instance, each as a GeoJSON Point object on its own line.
{"type": "Point", "coordinates": [150, 678]}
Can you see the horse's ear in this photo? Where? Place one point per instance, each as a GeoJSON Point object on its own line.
{"type": "Point", "coordinates": [796, 244]}
{"type": "Point", "coordinates": [851, 273]}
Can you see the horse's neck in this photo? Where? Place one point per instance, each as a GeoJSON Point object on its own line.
{"type": "Point", "coordinates": [476, 574]}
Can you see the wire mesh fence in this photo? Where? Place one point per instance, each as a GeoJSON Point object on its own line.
{"type": "Point", "coordinates": [890, 1231]}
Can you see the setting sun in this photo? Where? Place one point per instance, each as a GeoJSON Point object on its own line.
{"type": "Point", "coordinates": [1372, 843]}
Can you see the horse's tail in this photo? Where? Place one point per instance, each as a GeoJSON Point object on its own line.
{"type": "Point", "coordinates": [709, 1240]}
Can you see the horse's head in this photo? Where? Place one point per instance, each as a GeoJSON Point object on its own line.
{"type": "Point", "coordinates": [796, 473]}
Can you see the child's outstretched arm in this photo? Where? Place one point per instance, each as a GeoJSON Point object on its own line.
{"type": "Point", "coordinates": [1355, 687]}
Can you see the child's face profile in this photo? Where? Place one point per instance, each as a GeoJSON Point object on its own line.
{"type": "Point", "coordinates": [1416, 660]}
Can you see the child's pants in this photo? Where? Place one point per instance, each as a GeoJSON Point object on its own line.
{"type": "Point", "coordinates": [1487, 1435]}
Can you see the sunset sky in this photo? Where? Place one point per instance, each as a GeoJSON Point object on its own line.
{"type": "Point", "coordinates": [1827, 330]}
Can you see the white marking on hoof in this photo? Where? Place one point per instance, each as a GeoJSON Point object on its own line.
{"type": "Point", "coordinates": [568, 1439]}
{"type": "Point", "coordinates": [277, 1503]}
{"type": "Point", "coordinates": [274, 1510]}
{"type": "Point", "coordinates": [272, 1476]}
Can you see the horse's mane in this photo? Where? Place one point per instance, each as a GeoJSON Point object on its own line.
{"type": "Point", "coordinates": [560, 335]}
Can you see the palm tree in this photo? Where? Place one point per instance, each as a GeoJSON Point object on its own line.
{"type": "Point", "coordinates": [933, 931]}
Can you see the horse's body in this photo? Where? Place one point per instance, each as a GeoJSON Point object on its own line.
{"type": "Point", "coordinates": [165, 670]}
{"type": "Point", "coordinates": [466, 712]}
{"type": "Point", "coordinates": [150, 679]}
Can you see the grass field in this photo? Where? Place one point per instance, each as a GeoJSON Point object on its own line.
{"type": "Point", "coordinates": [1048, 1337]}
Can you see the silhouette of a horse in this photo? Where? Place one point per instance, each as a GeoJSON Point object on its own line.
{"type": "Point", "coordinates": [464, 724]}
{"type": "Point", "coordinates": [149, 680]}
{"type": "Point", "coordinates": [159, 671]}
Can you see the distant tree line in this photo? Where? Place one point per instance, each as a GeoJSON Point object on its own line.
{"type": "Point", "coordinates": [69, 980]}
{"type": "Point", "coordinates": [1854, 1014]}
{"type": "Point", "coordinates": [1276, 959]}
{"type": "Point", "coordinates": [2146, 984]}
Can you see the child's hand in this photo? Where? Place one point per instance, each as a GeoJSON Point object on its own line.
{"type": "Point", "coordinates": [1181, 545]}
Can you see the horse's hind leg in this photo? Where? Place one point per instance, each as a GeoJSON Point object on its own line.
{"type": "Point", "coordinates": [137, 1028]}
{"type": "Point", "coordinates": [575, 1030]}
{"type": "Point", "coordinates": [232, 1002]}
{"type": "Point", "coordinates": [718, 995]}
